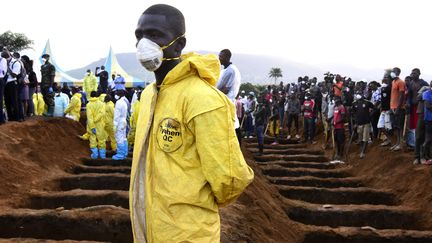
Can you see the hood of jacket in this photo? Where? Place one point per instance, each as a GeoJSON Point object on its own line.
{"type": "Point", "coordinates": [93, 99]}
{"type": "Point", "coordinates": [207, 67]}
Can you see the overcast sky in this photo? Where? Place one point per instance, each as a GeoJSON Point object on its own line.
{"type": "Point", "coordinates": [365, 34]}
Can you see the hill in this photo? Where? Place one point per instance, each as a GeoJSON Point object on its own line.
{"type": "Point", "coordinates": [254, 68]}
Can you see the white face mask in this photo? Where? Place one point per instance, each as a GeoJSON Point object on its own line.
{"type": "Point", "coordinates": [44, 60]}
{"type": "Point", "coordinates": [384, 85]}
{"type": "Point", "coordinates": [150, 54]}
{"type": "Point", "coordinates": [393, 75]}
{"type": "Point", "coordinates": [116, 97]}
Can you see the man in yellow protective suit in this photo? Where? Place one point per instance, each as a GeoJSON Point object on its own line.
{"type": "Point", "coordinates": [186, 161]}
{"type": "Point", "coordinates": [89, 82]}
{"type": "Point", "coordinates": [134, 120]}
{"type": "Point", "coordinates": [74, 108]}
{"type": "Point", "coordinates": [109, 121]}
{"type": "Point", "coordinates": [96, 126]}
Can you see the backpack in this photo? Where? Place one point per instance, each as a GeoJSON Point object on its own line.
{"type": "Point", "coordinates": [22, 76]}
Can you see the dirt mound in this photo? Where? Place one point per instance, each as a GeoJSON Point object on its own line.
{"type": "Point", "coordinates": [34, 152]}
{"type": "Point", "coordinates": [258, 216]}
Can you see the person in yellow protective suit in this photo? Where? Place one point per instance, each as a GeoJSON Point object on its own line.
{"type": "Point", "coordinates": [134, 120]}
{"type": "Point", "coordinates": [109, 121]}
{"type": "Point", "coordinates": [89, 82]}
{"type": "Point", "coordinates": [39, 103]}
{"type": "Point", "coordinates": [74, 108]}
{"type": "Point", "coordinates": [186, 160]}
{"type": "Point", "coordinates": [96, 126]}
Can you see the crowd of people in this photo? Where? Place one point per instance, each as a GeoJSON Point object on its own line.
{"type": "Point", "coordinates": [392, 111]}
{"type": "Point", "coordinates": [108, 104]}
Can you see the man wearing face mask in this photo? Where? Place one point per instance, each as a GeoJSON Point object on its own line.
{"type": "Point", "coordinates": [361, 108]}
{"type": "Point", "coordinates": [120, 124]}
{"type": "Point", "coordinates": [187, 161]}
{"type": "Point", "coordinates": [89, 82]}
{"type": "Point", "coordinates": [397, 100]}
{"type": "Point", "coordinates": [119, 82]}
{"type": "Point", "coordinates": [103, 79]}
{"type": "Point", "coordinates": [48, 74]}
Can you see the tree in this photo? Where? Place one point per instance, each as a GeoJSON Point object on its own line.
{"type": "Point", "coordinates": [248, 87]}
{"type": "Point", "coordinates": [275, 73]}
{"type": "Point", "coordinates": [15, 41]}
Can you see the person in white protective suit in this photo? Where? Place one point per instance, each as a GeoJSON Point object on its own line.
{"type": "Point", "coordinates": [120, 124]}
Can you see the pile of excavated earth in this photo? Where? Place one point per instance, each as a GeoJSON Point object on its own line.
{"type": "Point", "coordinates": [51, 191]}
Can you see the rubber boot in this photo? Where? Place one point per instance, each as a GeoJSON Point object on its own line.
{"type": "Point", "coordinates": [95, 153]}
{"type": "Point", "coordinates": [102, 153]}
{"type": "Point", "coordinates": [125, 150]}
{"type": "Point", "coordinates": [260, 149]}
{"type": "Point", "coordinates": [119, 155]}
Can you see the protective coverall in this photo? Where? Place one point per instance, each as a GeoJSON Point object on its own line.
{"type": "Point", "coordinates": [96, 127]}
{"type": "Point", "coordinates": [120, 125]}
{"type": "Point", "coordinates": [109, 124]}
{"type": "Point", "coordinates": [90, 83]}
{"type": "Point", "coordinates": [133, 122]}
{"type": "Point", "coordinates": [187, 161]}
{"type": "Point", "coordinates": [39, 104]}
{"type": "Point", "coordinates": [74, 108]}
{"type": "Point", "coordinates": [60, 104]}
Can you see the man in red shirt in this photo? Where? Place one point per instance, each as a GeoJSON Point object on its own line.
{"type": "Point", "coordinates": [337, 88]}
{"type": "Point", "coordinates": [339, 127]}
{"type": "Point", "coordinates": [397, 101]}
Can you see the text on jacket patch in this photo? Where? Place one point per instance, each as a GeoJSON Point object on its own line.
{"type": "Point", "coordinates": [169, 135]}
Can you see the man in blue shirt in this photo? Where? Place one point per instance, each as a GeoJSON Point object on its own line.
{"type": "Point", "coordinates": [427, 97]}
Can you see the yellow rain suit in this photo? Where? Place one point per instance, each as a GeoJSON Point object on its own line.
{"type": "Point", "coordinates": [109, 124]}
{"type": "Point", "coordinates": [74, 108]}
{"type": "Point", "coordinates": [90, 84]}
{"type": "Point", "coordinates": [186, 161]}
{"type": "Point", "coordinates": [95, 119]}
{"type": "Point", "coordinates": [133, 122]}
{"type": "Point", "coordinates": [39, 104]}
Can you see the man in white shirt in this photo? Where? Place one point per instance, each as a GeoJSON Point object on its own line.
{"type": "Point", "coordinates": [11, 88]}
{"type": "Point", "coordinates": [229, 82]}
{"type": "Point", "coordinates": [3, 72]}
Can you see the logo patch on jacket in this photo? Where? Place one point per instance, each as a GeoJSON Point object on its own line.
{"type": "Point", "coordinates": [169, 134]}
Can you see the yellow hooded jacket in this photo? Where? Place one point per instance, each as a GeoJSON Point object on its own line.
{"type": "Point", "coordinates": [90, 84]}
{"type": "Point", "coordinates": [39, 104]}
{"type": "Point", "coordinates": [96, 119]}
{"type": "Point", "coordinates": [109, 123]}
{"type": "Point", "coordinates": [74, 107]}
{"type": "Point", "coordinates": [133, 122]}
{"type": "Point", "coordinates": [186, 161]}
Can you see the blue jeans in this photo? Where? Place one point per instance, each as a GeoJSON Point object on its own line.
{"type": "Point", "coordinates": [309, 128]}
{"type": "Point", "coordinates": [30, 101]}
{"type": "Point", "coordinates": [260, 134]}
{"type": "Point", "coordinates": [281, 116]}
{"type": "Point", "coordinates": [410, 138]}
{"type": "Point", "coordinates": [249, 125]}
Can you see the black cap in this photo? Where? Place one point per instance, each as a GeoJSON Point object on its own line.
{"type": "Point", "coordinates": [45, 55]}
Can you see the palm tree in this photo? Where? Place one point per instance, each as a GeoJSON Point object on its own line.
{"type": "Point", "coordinates": [275, 73]}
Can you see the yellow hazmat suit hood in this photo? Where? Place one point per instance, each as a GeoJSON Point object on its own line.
{"type": "Point", "coordinates": [186, 161]}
